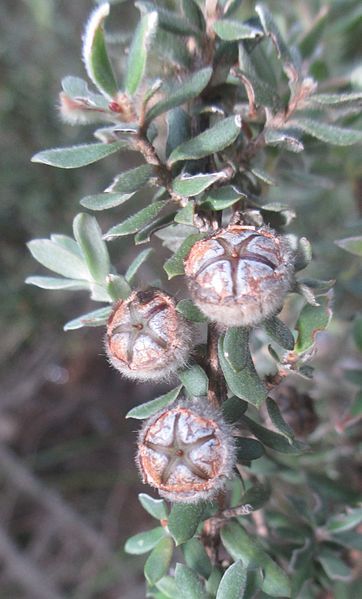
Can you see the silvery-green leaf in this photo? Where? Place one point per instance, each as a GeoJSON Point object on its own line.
{"type": "Point", "coordinates": [57, 283]}
{"type": "Point", "coordinates": [89, 237]}
{"type": "Point", "coordinates": [353, 245]}
{"type": "Point", "coordinates": [168, 588]}
{"type": "Point", "coordinates": [190, 88]}
{"type": "Point", "coordinates": [222, 198]}
{"type": "Point", "coordinates": [138, 52]}
{"type": "Point", "coordinates": [283, 138]}
{"type": "Point", "coordinates": [334, 565]}
{"type": "Point", "coordinates": [117, 287]}
{"type": "Point", "coordinates": [92, 319]}
{"type": "Point", "coordinates": [312, 319]}
{"type": "Point", "coordinates": [263, 176]}
{"type": "Point", "coordinates": [338, 136]}
{"type": "Point", "coordinates": [260, 90]}
{"type": "Point", "coordinates": [279, 332]}
{"type": "Point", "coordinates": [193, 13]}
{"type": "Point", "coordinates": [229, 30]}
{"type": "Point", "coordinates": [136, 264]}
{"type": "Point", "coordinates": [335, 99]}
{"type": "Point", "coordinates": [105, 201]}
{"type": "Point", "coordinates": [278, 420]}
{"type": "Point", "coordinates": [215, 139]}
{"type": "Point", "coordinates": [233, 583]}
{"type": "Point", "coordinates": [68, 243]}
{"type": "Point", "coordinates": [186, 215]}
{"type": "Point", "coordinates": [59, 259]}
{"type": "Point", "coordinates": [152, 407]}
{"type": "Point", "coordinates": [192, 185]}
{"type": "Point", "coordinates": [188, 309]}
{"type": "Point", "coordinates": [178, 129]}
{"type": "Point", "coordinates": [184, 520]}
{"type": "Point", "coordinates": [194, 380]}
{"type": "Point", "coordinates": [133, 223]}
{"type": "Point", "coordinates": [175, 265]}
{"type": "Point", "coordinates": [155, 507]}
{"type": "Point", "coordinates": [248, 450]}
{"type": "Point", "coordinates": [154, 226]}
{"type": "Point", "coordinates": [196, 557]}
{"type": "Point", "coordinates": [169, 20]}
{"type": "Point", "coordinates": [271, 439]}
{"type": "Point", "coordinates": [174, 235]}
{"type": "Point", "coordinates": [77, 156]}
{"type": "Point", "coordinates": [189, 584]}
{"type": "Point", "coordinates": [75, 88]}
{"type": "Point", "coordinates": [144, 541]}
{"type": "Point", "coordinates": [95, 55]}
{"type": "Point", "coordinates": [132, 180]}
{"type": "Point", "coordinates": [159, 561]}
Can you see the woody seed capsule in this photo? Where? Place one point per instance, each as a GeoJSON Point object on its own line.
{"type": "Point", "coordinates": [146, 337]}
{"type": "Point", "coordinates": [187, 452]}
{"type": "Point", "coordinates": [240, 275]}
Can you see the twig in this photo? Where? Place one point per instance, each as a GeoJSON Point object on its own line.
{"type": "Point", "coordinates": [217, 387]}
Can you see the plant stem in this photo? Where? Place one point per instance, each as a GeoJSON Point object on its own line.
{"type": "Point", "coordinates": [217, 388]}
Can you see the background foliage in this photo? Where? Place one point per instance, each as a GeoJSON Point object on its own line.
{"type": "Point", "coordinates": [63, 446]}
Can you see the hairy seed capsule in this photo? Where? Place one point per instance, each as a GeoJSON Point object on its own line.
{"type": "Point", "coordinates": [146, 337]}
{"type": "Point", "coordinates": [187, 452]}
{"type": "Point", "coordinates": [240, 275]}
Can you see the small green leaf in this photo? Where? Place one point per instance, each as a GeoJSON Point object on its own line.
{"type": "Point", "coordinates": [222, 198]}
{"type": "Point", "coordinates": [335, 99]}
{"type": "Point", "coordinates": [188, 309]}
{"type": "Point", "coordinates": [134, 223]}
{"type": "Point", "coordinates": [56, 283]}
{"type": "Point", "coordinates": [278, 420]}
{"type": "Point", "coordinates": [196, 557]}
{"type": "Point", "coordinates": [343, 522]}
{"type": "Point", "coordinates": [192, 185]}
{"type": "Point", "coordinates": [136, 264]}
{"type": "Point", "coordinates": [256, 497]}
{"type": "Point", "coordinates": [271, 439]}
{"type": "Point", "coordinates": [89, 237]}
{"type": "Point", "coordinates": [155, 507]}
{"type": "Point", "coordinates": [271, 29]}
{"type": "Point", "coordinates": [169, 20]}
{"type": "Point", "coordinates": [167, 586]}
{"type": "Point", "coordinates": [333, 565]}
{"type": "Point", "coordinates": [77, 156]}
{"type": "Point", "coordinates": [233, 408]}
{"type": "Point", "coordinates": [178, 129]}
{"type": "Point", "coordinates": [233, 583]}
{"type": "Point", "coordinates": [117, 287]}
{"type": "Point", "coordinates": [75, 88]}
{"type": "Point", "coordinates": [184, 520]}
{"type": "Point", "coordinates": [158, 562]}
{"type": "Point", "coordinates": [144, 541]}
{"type": "Point", "coordinates": [139, 50]}
{"type": "Point", "coordinates": [283, 138]}
{"type": "Point", "coordinates": [329, 134]}
{"type": "Point", "coordinates": [263, 176]}
{"type": "Point", "coordinates": [175, 265]}
{"type": "Point", "coordinates": [235, 30]}
{"type": "Point", "coordinates": [212, 583]}
{"type": "Point", "coordinates": [353, 245]}
{"type": "Point", "coordinates": [312, 319]}
{"type": "Point", "coordinates": [188, 583]}
{"type": "Point", "coordinates": [104, 201]}
{"type": "Point", "coordinates": [258, 90]}
{"type": "Point", "coordinates": [215, 139]}
{"type": "Point", "coordinates": [132, 180]}
{"type": "Point", "coordinates": [95, 55]}
{"type": "Point", "coordinates": [96, 318]}
{"type": "Point", "coordinates": [59, 259]}
{"type": "Point", "coordinates": [186, 215]}
{"type": "Point", "coordinates": [248, 450]}
{"type": "Point", "coordinates": [236, 347]}
{"type": "Point", "coordinates": [150, 408]}
{"type": "Point", "coordinates": [194, 380]}
{"type": "Point", "coordinates": [190, 88]}
{"type": "Point", "coordinates": [245, 548]}
{"type": "Point", "coordinates": [244, 383]}
{"type": "Point", "coordinates": [279, 332]}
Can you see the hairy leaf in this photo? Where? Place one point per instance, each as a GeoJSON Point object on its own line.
{"type": "Point", "coordinates": [233, 583]}
{"type": "Point", "coordinates": [175, 265]}
{"type": "Point", "coordinates": [158, 562]}
{"type": "Point", "coordinates": [196, 557]}
{"type": "Point", "coordinates": [194, 380]}
{"type": "Point", "coordinates": [152, 407]}
{"type": "Point", "coordinates": [184, 520]}
{"type": "Point", "coordinates": [271, 439]}
{"type": "Point", "coordinates": [312, 319]}
{"type": "Point", "coordinates": [134, 223]}
{"type": "Point", "coordinates": [144, 541]}
{"type": "Point", "coordinates": [248, 450]}
{"type": "Point", "coordinates": [59, 259]}
{"type": "Point", "coordinates": [136, 264]}
{"type": "Point", "coordinates": [132, 180]}
{"type": "Point", "coordinates": [96, 318]}
{"type": "Point", "coordinates": [77, 156]}
{"type": "Point", "coordinates": [138, 52]}
{"type": "Point", "coordinates": [89, 237]}
{"type": "Point", "coordinates": [353, 245]}
{"type": "Point", "coordinates": [192, 185]}
{"type": "Point", "coordinates": [57, 283]}
{"type": "Point", "coordinates": [188, 309]}
{"type": "Point", "coordinates": [235, 30]}
{"type": "Point", "coordinates": [279, 332]}
{"type": "Point", "coordinates": [155, 507]}
{"type": "Point", "coordinates": [278, 420]}
{"type": "Point", "coordinates": [188, 583]}
{"type": "Point", "coordinates": [104, 201]}
{"type": "Point", "coordinates": [330, 134]}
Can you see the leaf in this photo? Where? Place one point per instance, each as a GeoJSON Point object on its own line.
{"type": "Point", "coordinates": [154, 226]}
{"type": "Point", "coordinates": [259, 92]}
{"type": "Point", "coordinates": [194, 380]}
{"type": "Point", "coordinates": [248, 450]}
{"type": "Point", "coordinates": [215, 139]}
{"type": "Point", "coordinates": [233, 408]}
{"type": "Point", "coordinates": [196, 557]}
{"type": "Point", "coordinates": [95, 55]}
{"type": "Point", "coordinates": [76, 88]}
{"type": "Point", "coordinates": [89, 237]}
{"type": "Point", "coordinates": [117, 287]}
{"type": "Point", "coordinates": [58, 259]}
{"type": "Point", "coordinates": [333, 565]}
{"type": "Point", "coordinates": [189, 89]}
{"type": "Point", "coordinates": [245, 548]}
{"type": "Point", "coordinates": [144, 541]}
{"type": "Point", "coordinates": [184, 520]}
{"type": "Point", "coordinates": [169, 20]}
{"type": "Point", "coordinates": [136, 264]}
{"type": "Point", "coordinates": [233, 583]}
{"type": "Point", "coordinates": [150, 408]}
{"type": "Point", "coordinates": [330, 134]}
{"type": "Point", "coordinates": [278, 420]}
{"type": "Point", "coordinates": [224, 197]}
{"type": "Point", "coordinates": [235, 30]}
{"type": "Point", "coordinates": [244, 383]}
{"type": "Point", "coordinates": [353, 245]}
{"type": "Point", "coordinates": [132, 180]}
{"type": "Point", "coordinates": [312, 319]}
{"type": "Point", "coordinates": [56, 283]}
{"type": "Point", "coordinates": [192, 185]}
{"type": "Point", "coordinates": [104, 201]}
{"type": "Point", "coordinates": [66, 242]}
{"type": "Point", "coordinates": [256, 497]}
{"type": "Point", "coordinates": [283, 138]}
{"type": "Point", "coordinates": [188, 583]}
{"type": "Point", "coordinates": [185, 216]}
{"type": "Point", "coordinates": [167, 585]}
{"type": "Point", "coordinates": [188, 309]}
{"type": "Point", "coordinates": [343, 522]}
{"type": "Point", "coordinates": [133, 223]}
{"type": "Point", "coordinates": [155, 507]}
{"type": "Point", "coordinates": [279, 332]}
{"type": "Point", "coordinates": [77, 156]}
{"type": "Point", "coordinates": [158, 562]}
{"type": "Point", "coordinates": [263, 176]}
{"type": "Point", "coordinates": [138, 52]}
{"type": "Point", "coordinates": [91, 319]}
{"type": "Point", "coordinates": [335, 99]}
{"type": "Point", "coordinates": [271, 439]}
{"type": "Point", "coordinates": [236, 347]}
{"type": "Point", "coordinates": [175, 265]}
{"type": "Point", "coordinates": [178, 127]}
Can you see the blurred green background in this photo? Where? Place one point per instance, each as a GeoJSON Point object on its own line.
{"type": "Point", "coordinates": [68, 484]}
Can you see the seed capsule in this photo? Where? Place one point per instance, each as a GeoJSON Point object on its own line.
{"type": "Point", "coordinates": [146, 337]}
{"type": "Point", "coordinates": [187, 452]}
{"type": "Point", "coordinates": [240, 275]}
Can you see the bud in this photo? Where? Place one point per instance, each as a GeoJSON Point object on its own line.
{"type": "Point", "coordinates": [187, 452]}
{"type": "Point", "coordinates": [146, 337]}
{"type": "Point", "coordinates": [240, 275]}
